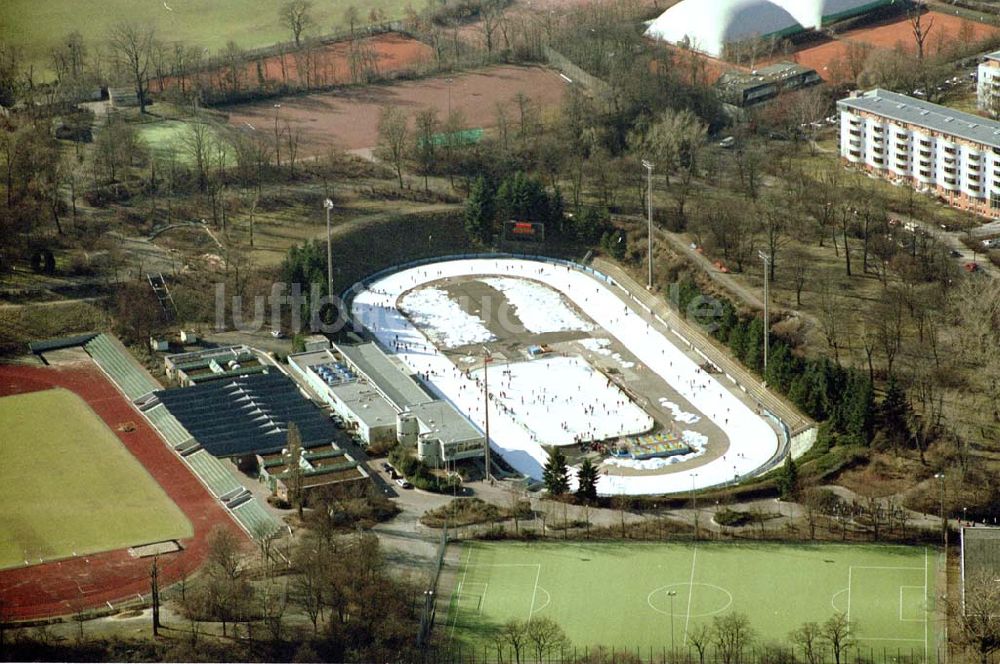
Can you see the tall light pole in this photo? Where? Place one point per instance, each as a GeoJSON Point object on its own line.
{"type": "Point", "coordinates": [487, 358]}
{"type": "Point", "coordinates": [450, 81]}
{"type": "Point", "coordinates": [649, 220]}
{"type": "Point", "coordinates": [767, 322]}
{"type": "Point", "coordinates": [671, 594]}
{"type": "Point", "coordinates": [694, 504]}
{"type": "Point", "coordinates": [328, 204]}
{"type": "Point", "coordinates": [944, 523]}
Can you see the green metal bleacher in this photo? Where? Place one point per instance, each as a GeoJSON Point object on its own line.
{"type": "Point", "coordinates": [257, 520]}
{"type": "Point", "coordinates": [213, 472]}
{"type": "Point", "coordinates": [114, 360]}
{"type": "Point", "coordinates": [168, 426]}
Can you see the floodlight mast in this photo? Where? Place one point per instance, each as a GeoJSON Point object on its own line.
{"type": "Point", "coordinates": [766, 257]}
{"type": "Point", "coordinates": [328, 204]}
{"type": "Point", "coordinates": [487, 358]}
{"type": "Point", "coordinates": [648, 165]}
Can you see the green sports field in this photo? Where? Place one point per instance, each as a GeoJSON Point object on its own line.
{"type": "Point", "coordinates": [618, 595]}
{"type": "Point", "coordinates": [168, 136]}
{"type": "Point", "coordinates": [68, 485]}
{"type": "Point", "coordinates": [36, 27]}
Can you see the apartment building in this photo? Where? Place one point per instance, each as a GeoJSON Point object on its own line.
{"type": "Point", "coordinates": [937, 150]}
{"type": "Point", "coordinates": [988, 82]}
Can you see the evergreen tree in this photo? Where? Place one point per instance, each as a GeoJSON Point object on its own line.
{"type": "Point", "coordinates": [788, 481]}
{"type": "Point", "coordinates": [480, 211]}
{"type": "Point", "coordinates": [895, 414]}
{"type": "Point", "coordinates": [587, 478]}
{"type": "Point", "coordinates": [556, 474]}
{"type": "Point", "coordinates": [859, 410]}
{"type": "Point", "coordinates": [557, 214]}
{"type": "Point", "coordinates": [753, 349]}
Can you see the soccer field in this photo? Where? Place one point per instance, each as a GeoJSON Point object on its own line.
{"type": "Point", "coordinates": [68, 485]}
{"type": "Point", "coordinates": [619, 595]}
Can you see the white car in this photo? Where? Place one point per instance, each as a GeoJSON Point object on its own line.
{"type": "Point", "coordinates": [404, 483]}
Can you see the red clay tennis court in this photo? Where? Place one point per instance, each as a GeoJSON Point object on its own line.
{"type": "Point", "coordinates": [85, 582]}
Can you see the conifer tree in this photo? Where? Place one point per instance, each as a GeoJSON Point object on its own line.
{"type": "Point", "coordinates": [480, 210]}
{"type": "Point", "coordinates": [587, 478]}
{"type": "Point", "coordinates": [556, 474]}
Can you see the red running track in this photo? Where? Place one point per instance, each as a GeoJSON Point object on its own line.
{"type": "Point", "coordinates": [72, 584]}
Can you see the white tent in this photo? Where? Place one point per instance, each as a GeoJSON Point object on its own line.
{"type": "Point", "coordinates": [707, 25]}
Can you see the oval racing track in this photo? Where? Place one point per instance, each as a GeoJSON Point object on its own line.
{"type": "Point", "coordinates": [752, 441]}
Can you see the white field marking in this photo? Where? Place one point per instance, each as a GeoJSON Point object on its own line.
{"type": "Point", "coordinates": [927, 607]}
{"type": "Point", "coordinates": [886, 638]}
{"type": "Point", "coordinates": [459, 590]}
{"type": "Point", "coordinates": [534, 592]}
{"type": "Point", "coordinates": [835, 596]}
{"type": "Point", "coordinates": [687, 618]}
{"type": "Point", "coordinates": [877, 567]}
{"type": "Point", "coordinates": [548, 599]}
{"type": "Point", "coordinates": [901, 618]}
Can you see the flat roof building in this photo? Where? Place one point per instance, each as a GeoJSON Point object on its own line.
{"type": "Point", "coordinates": [935, 149]}
{"type": "Point", "coordinates": [382, 400]}
{"type": "Point", "coordinates": [747, 89]}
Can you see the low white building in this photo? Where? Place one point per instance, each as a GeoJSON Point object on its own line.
{"type": "Point", "coordinates": [935, 149]}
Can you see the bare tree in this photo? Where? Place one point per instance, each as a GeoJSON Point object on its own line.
{"type": "Point", "coordinates": [293, 462]}
{"type": "Point", "coordinates": [700, 636]}
{"type": "Point", "coordinates": [978, 615]}
{"type": "Point", "coordinates": [392, 133]}
{"type": "Point", "coordinates": [733, 635]}
{"type": "Point", "coordinates": [295, 16]}
{"type": "Point", "coordinates": [546, 637]}
{"type": "Point", "coordinates": [133, 45]}
{"type": "Point", "coordinates": [351, 18]}
{"type": "Point", "coordinates": [514, 634]}
{"type": "Point", "coordinates": [836, 632]}
{"type": "Point", "coordinates": [920, 29]}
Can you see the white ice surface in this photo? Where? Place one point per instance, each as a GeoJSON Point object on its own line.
{"type": "Point", "coordinates": [540, 308]}
{"type": "Point", "coordinates": [752, 441]}
{"type": "Point", "coordinates": [444, 321]}
{"type": "Point", "coordinates": [563, 400]}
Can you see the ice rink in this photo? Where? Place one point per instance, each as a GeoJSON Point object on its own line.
{"type": "Point", "coordinates": [752, 441]}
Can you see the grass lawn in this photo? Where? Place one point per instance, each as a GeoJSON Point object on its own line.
{"type": "Point", "coordinates": [165, 136]}
{"type": "Point", "coordinates": [67, 484]}
{"type": "Point", "coordinates": [618, 595]}
{"type": "Point", "coordinates": [36, 27]}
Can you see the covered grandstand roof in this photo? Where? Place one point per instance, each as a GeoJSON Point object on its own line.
{"type": "Point", "coordinates": [707, 25]}
{"type": "Point", "coordinates": [247, 415]}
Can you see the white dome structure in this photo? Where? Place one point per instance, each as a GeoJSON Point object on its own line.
{"type": "Point", "coordinates": [814, 14]}
{"type": "Point", "coordinates": [707, 25]}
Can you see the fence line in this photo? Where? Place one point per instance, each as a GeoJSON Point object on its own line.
{"type": "Point", "coordinates": [429, 610]}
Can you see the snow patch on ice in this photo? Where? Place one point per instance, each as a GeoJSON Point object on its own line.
{"type": "Point", "coordinates": [540, 308]}
{"type": "Point", "coordinates": [442, 319]}
{"type": "Point", "coordinates": [678, 414]}
{"type": "Point", "coordinates": [599, 346]}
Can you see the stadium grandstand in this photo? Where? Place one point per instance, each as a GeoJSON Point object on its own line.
{"type": "Point", "coordinates": [708, 25]}
{"type": "Point", "coordinates": [138, 386]}
{"type": "Point", "coordinates": [247, 415]}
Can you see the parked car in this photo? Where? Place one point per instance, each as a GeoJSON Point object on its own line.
{"type": "Point", "coordinates": [387, 467]}
{"type": "Point", "coordinates": [993, 243]}
{"type": "Point", "coordinates": [403, 483]}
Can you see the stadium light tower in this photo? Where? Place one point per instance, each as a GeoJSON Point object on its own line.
{"type": "Point", "coordinates": [328, 204]}
{"type": "Point", "coordinates": [487, 358]}
{"type": "Point", "coordinates": [671, 594]}
{"type": "Point", "coordinates": [766, 257]}
{"type": "Point", "coordinates": [944, 523]}
{"type": "Point", "coordinates": [648, 165]}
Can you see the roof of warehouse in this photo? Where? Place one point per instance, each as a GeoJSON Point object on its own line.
{"type": "Point", "coordinates": [925, 114]}
{"type": "Point", "coordinates": [247, 415]}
